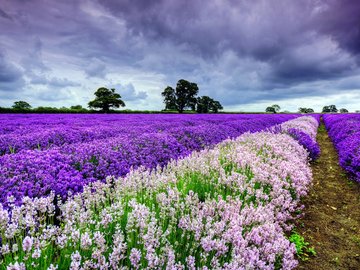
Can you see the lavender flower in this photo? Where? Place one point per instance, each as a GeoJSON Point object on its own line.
{"type": "Point", "coordinates": [27, 244]}
{"type": "Point", "coordinates": [307, 142]}
{"type": "Point", "coordinates": [344, 131]}
{"type": "Point", "coordinates": [62, 154]}
{"type": "Point", "coordinates": [224, 207]}
{"type": "Point", "coordinates": [135, 257]}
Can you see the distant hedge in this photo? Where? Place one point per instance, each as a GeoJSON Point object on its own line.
{"type": "Point", "coordinates": [84, 110]}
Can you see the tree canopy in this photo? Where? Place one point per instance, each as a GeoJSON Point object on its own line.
{"type": "Point", "coordinates": [76, 107]}
{"type": "Point", "coordinates": [276, 107]}
{"type": "Point", "coordinates": [305, 110]}
{"type": "Point", "coordinates": [106, 99]}
{"type": "Point", "coordinates": [330, 108]}
{"type": "Point", "coordinates": [206, 104]}
{"type": "Point", "coordinates": [270, 109]}
{"type": "Point", "coordinates": [169, 98]}
{"type": "Point", "coordinates": [21, 105]}
{"type": "Point", "coordinates": [185, 94]}
{"type": "Point", "coordinates": [343, 110]}
{"type": "Point", "coordinates": [273, 108]}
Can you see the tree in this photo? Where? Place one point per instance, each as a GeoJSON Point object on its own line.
{"type": "Point", "coordinates": [185, 94]}
{"type": "Point", "coordinates": [203, 104]}
{"type": "Point", "coordinates": [169, 98]}
{"type": "Point", "coordinates": [206, 104]}
{"type": "Point", "coordinates": [76, 107]}
{"type": "Point", "coordinates": [310, 110]}
{"type": "Point", "coordinates": [343, 110]}
{"type": "Point", "coordinates": [273, 108]}
{"type": "Point", "coordinates": [330, 108]}
{"type": "Point", "coordinates": [216, 106]}
{"type": "Point", "coordinates": [276, 107]}
{"type": "Point", "coordinates": [305, 110]}
{"type": "Point", "coordinates": [21, 105]}
{"type": "Point", "coordinates": [105, 99]}
{"type": "Point", "coordinates": [270, 109]}
{"type": "Point", "coordinates": [185, 97]}
{"type": "Point", "coordinates": [302, 110]}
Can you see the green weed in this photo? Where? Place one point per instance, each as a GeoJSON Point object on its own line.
{"type": "Point", "coordinates": [321, 129]}
{"type": "Point", "coordinates": [303, 249]}
{"type": "Point", "coordinates": [356, 240]}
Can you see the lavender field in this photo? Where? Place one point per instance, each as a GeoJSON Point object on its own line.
{"type": "Point", "coordinates": [179, 135]}
{"type": "Point", "coordinates": [152, 191]}
{"type": "Point", "coordinates": [344, 131]}
{"type": "Point", "coordinates": [44, 153]}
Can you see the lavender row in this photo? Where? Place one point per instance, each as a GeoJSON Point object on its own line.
{"type": "Point", "coordinates": [24, 132]}
{"type": "Point", "coordinates": [225, 208]}
{"type": "Point", "coordinates": [304, 131]}
{"type": "Point", "coordinates": [344, 131]}
{"type": "Point", "coordinates": [68, 168]}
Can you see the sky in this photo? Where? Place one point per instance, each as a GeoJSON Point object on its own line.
{"type": "Point", "coordinates": [247, 54]}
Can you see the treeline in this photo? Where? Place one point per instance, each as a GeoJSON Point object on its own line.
{"type": "Point", "coordinates": [90, 111]}
{"type": "Point", "coordinates": [326, 109]}
{"type": "Point", "coordinates": [184, 97]}
{"type": "Point", "coordinates": [42, 109]}
{"type": "Point", "coordinates": [60, 110]}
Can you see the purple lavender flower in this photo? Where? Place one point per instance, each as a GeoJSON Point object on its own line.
{"type": "Point", "coordinates": [47, 153]}
{"type": "Point", "coordinates": [307, 142]}
{"type": "Point", "coordinates": [344, 131]}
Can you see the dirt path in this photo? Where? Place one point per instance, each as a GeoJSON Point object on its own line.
{"type": "Point", "coordinates": [332, 215]}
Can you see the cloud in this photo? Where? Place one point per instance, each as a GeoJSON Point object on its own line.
{"type": "Point", "coordinates": [260, 29]}
{"type": "Point", "coordinates": [239, 52]}
{"type": "Point", "coordinates": [55, 95]}
{"type": "Point", "coordinates": [53, 82]}
{"type": "Point", "coordinates": [8, 71]}
{"type": "Point", "coordinates": [62, 82]}
{"type": "Point", "coordinates": [128, 93]}
{"type": "Point", "coordinates": [33, 61]}
{"type": "Point", "coordinates": [11, 77]}
{"type": "Point", "coordinates": [4, 15]}
{"type": "Point", "coordinates": [320, 58]}
{"type": "Point", "coordinates": [95, 68]}
{"type": "Point", "coordinates": [341, 20]}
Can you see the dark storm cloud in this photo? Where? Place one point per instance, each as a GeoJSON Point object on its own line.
{"type": "Point", "coordinates": [3, 14]}
{"type": "Point", "coordinates": [11, 77]}
{"type": "Point", "coordinates": [8, 72]}
{"type": "Point", "coordinates": [341, 20]}
{"type": "Point", "coordinates": [269, 31]}
{"type": "Point", "coordinates": [237, 51]}
{"type": "Point", "coordinates": [33, 60]}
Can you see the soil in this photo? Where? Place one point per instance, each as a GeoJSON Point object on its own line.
{"type": "Point", "coordinates": [331, 221]}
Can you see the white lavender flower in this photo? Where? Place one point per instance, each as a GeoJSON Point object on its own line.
{"type": "Point", "coordinates": [135, 257]}
{"type": "Point", "coordinates": [85, 241]}
{"type": "Point", "coordinates": [16, 266]}
{"type": "Point", "coordinates": [27, 243]}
